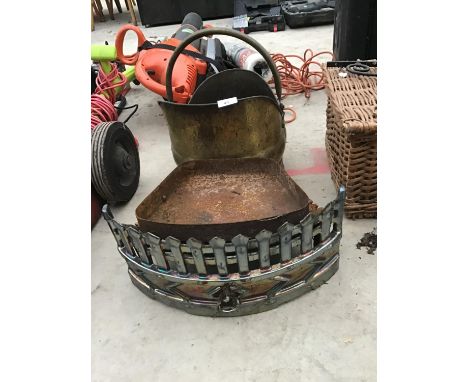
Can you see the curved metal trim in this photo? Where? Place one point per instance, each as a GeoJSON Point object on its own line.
{"type": "Point", "coordinates": [254, 275]}
{"type": "Point", "coordinates": [242, 306]}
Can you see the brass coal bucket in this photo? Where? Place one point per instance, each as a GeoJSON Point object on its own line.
{"type": "Point", "coordinates": [232, 114]}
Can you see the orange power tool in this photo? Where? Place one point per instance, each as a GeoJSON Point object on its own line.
{"type": "Point", "coordinates": [151, 60]}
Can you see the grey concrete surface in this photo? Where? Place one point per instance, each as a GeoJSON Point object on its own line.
{"type": "Point", "coordinates": [326, 335]}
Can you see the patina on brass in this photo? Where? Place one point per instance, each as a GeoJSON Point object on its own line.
{"type": "Point", "coordinates": [253, 127]}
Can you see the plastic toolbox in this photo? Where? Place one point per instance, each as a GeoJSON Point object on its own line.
{"type": "Point", "coordinates": [258, 15]}
{"type": "Point", "coordinates": [303, 13]}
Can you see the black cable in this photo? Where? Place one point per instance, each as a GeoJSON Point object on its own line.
{"type": "Point", "coordinates": [360, 69]}
{"type": "Point", "coordinates": [126, 108]}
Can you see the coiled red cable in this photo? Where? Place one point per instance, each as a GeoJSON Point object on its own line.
{"type": "Point", "coordinates": [300, 79]}
{"type": "Point", "coordinates": [105, 95]}
{"type": "Point", "coordinates": [102, 110]}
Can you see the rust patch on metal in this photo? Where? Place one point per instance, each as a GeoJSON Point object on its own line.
{"type": "Point", "coordinates": [245, 194]}
{"type": "Point", "coordinates": [226, 198]}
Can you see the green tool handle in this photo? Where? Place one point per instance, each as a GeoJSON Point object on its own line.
{"type": "Point", "coordinates": [107, 53]}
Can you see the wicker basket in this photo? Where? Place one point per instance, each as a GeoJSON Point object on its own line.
{"type": "Point", "coordinates": [351, 139]}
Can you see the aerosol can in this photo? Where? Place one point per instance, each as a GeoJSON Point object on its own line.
{"type": "Point", "coordinates": [246, 58]}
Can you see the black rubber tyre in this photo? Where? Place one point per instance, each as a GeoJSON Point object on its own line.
{"type": "Point", "coordinates": [115, 163]}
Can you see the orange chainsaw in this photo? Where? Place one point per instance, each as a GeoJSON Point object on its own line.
{"type": "Point", "coordinates": [197, 61]}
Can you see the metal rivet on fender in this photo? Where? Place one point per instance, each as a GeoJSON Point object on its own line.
{"type": "Point", "coordinates": [196, 249]}
{"type": "Point", "coordinates": [220, 257]}
{"type": "Point", "coordinates": [175, 250]}
{"type": "Point", "coordinates": [123, 235]}
{"type": "Point", "coordinates": [285, 232]}
{"type": "Point", "coordinates": [263, 238]}
{"type": "Point", "coordinates": [138, 245]}
{"type": "Point", "coordinates": [326, 220]}
{"type": "Point", "coordinates": [307, 225]}
{"type": "Point", "coordinates": [154, 244]}
{"type": "Point", "coordinates": [240, 241]}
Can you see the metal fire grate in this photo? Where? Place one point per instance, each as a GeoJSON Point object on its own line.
{"type": "Point", "coordinates": [243, 275]}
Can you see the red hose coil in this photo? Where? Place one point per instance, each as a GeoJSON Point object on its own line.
{"type": "Point", "coordinates": [105, 95]}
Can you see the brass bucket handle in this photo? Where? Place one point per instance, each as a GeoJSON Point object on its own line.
{"type": "Point", "coordinates": [227, 32]}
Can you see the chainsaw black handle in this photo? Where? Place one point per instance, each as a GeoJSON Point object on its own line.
{"type": "Point", "coordinates": [227, 32]}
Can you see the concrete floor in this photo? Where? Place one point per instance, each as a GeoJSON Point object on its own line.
{"type": "Point", "coordinates": [326, 335]}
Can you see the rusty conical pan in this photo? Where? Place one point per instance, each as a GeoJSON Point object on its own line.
{"type": "Point", "coordinates": [223, 197]}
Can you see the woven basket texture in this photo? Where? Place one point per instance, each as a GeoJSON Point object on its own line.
{"type": "Point", "coordinates": [351, 139]}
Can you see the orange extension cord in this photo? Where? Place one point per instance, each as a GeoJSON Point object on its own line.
{"type": "Point", "coordinates": [299, 79]}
